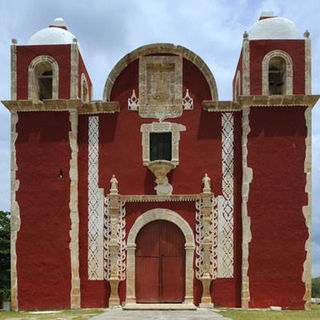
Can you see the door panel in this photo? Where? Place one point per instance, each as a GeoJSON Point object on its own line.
{"type": "Point", "coordinates": [172, 279]}
{"type": "Point", "coordinates": [160, 263]}
{"type": "Point", "coordinates": [147, 285]}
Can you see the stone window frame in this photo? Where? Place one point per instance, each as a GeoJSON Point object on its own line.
{"type": "Point", "coordinates": [141, 221]}
{"type": "Point", "coordinates": [288, 74]}
{"type": "Point", "coordinates": [174, 128]}
{"type": "Point", "coordinates": [32, 77]}
{"type": "Point", "coordinates": [172, 110]}
{"type": "Point", "coordinates": [84, 84]}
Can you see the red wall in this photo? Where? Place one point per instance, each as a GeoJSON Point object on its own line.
{"type": "Point", "coordinates": [259, 48]}
{"type": "Point", "coordinates": [43, 263]}
{"type": "Point", "coordinates": [120, 153]}
{"type": "Point", "coordinates": [276, 153]}
{"type": "Point", "coordinates": [61, 53]}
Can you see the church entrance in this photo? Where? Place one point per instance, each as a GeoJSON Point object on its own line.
{"type": "Point", "coordinates": [160, 263]}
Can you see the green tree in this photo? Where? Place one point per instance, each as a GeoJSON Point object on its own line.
{"type": "Point", "coordinates": [4, 255]}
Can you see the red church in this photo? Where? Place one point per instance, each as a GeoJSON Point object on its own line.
{"type": "Point", "coordinates": [160, 193]}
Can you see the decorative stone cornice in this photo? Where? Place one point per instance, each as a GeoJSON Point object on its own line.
{"type": "Point", "coordinates": [161, 198]}
{"type": "Point", "coordinates": [92, 107]}
{"type": "Point", "coordinates": [220, 106]}
{"type": "Point", "coordinates": [260, 101]}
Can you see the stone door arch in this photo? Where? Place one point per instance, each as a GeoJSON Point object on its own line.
{"type": "Point", "coordinates": [153, 215]}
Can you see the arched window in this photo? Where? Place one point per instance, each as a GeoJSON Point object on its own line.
{"type": "Point", "coordinates": [84, 88]}
{"type": "Point", "coordinates": [43, 78]}
{"type": "Point", "coordinates": [277, 73]}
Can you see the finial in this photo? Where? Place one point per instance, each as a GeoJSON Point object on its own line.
{"type": "Point", "coordinates": [306, 34]}
{"type": "Point", "coordinates": [75, 40]}
{"type": "Point", "coordinates": [206, 184]}
{"type": "Point", "coordinates": [14, 41]}
{"type": "Point", "coordinates": [245, 35]}
{"type": "Point", "coordinates": [114, 185]}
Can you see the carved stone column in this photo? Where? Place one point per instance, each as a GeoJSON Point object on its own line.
{"type": "Point", "coordinates": [206, 209]}
{"type": "Point", "coordinates": [114, 212]}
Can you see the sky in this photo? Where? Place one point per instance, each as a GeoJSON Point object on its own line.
{"type": "Point", "coordinates": [109, 29]}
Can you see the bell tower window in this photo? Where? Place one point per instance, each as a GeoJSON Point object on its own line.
{"type": "Point", "coordinates": [277, 73]}
{"type": "Point", "coordinates": [45, 85]}
{"type": "Point", "coordinates": [160, 146]}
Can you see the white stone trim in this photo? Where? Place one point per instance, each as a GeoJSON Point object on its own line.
{"type": "Point", "coordinates": [226, 221]}
{"type": "Point", "coordinates": [95, 204]}
{"type": "Point", "coordinates": [307, 212]}
{"type": "Point", "coordinates": [15, 213]}
{"type": "Point", "coordinates": [288, 75]}
{"type": "Point", "coordinates": [153, 215]}
{"type": "Point", "coordinates": [246, 220]}
{"type": "Point", "coordinates": [174, 128]}
{"type": "Point", "coordinates": [74, 212]}
{"type": "Point", "coordinates": [307, 53]}
{"type": "Point", "coordinates": [74, 72]}
{"type": "Point", "coordinates": [84, 84]}
{"type": "Point", "coordinates": [237, 86]}
{"type": "Point", "coordinates": [13, 72]}
{"type": "Point", "coordinates": [32, 80]}
{"type": "Point", "coordinates": [246, 67]}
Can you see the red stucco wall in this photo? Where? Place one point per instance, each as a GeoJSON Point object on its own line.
{"type": "Point", "coordinates": [259, 48]}
{"type": "Point", "coordinates": [61, 53]}
{"type": "Point", "coordinates": [276, 153]}
{"type": "Point", "coordinates": [43, 263]}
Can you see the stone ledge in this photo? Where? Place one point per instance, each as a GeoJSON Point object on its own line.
{"type": "Point", "coordinates": [262, 101]}
{"type": "Point", "coordinates": [92, 107]}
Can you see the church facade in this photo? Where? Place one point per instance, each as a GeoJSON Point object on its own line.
{"type": "Point", "coordinates": [160, 192]}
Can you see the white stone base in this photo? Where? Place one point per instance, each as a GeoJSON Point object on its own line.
{"type": "Point", "coordinates": [206, 305]}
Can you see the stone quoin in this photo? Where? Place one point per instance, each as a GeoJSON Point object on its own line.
{"type": "Point", "coordinates": [160, 192]}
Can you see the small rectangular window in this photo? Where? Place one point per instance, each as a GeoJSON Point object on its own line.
{"type": "Point", "coordinates": [160, 146]}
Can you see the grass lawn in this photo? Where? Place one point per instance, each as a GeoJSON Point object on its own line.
{"type": "Point", "coordinates": [271, 315]}
{"type": "Point", "coordinates": [57, 315]}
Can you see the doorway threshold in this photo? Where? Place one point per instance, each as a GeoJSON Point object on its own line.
{"type": "Point", "coordinates": [159, 306]}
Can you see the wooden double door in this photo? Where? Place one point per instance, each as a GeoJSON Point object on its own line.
{"type": "Point", "coordinates": [160, 263]}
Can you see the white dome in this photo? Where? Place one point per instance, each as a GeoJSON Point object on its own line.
{"type": "Point", "coordinates": [55, 34]}
{"type": "Point", "coordinates": [273, 28]}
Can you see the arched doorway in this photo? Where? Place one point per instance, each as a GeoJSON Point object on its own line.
{"type": "Point", "coordinates": [160, 263]}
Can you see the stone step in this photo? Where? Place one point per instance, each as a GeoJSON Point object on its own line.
{"type": "Point", "coordinates": [159, 306]}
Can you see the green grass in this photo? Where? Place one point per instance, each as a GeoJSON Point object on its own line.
{"type": "Point", "coordinates": [271, 315]}
{"type": "Point", "coordinates": [80, 314]}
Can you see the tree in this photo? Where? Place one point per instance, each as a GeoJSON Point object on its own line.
{"type": "Point", "coordinates": [4, 255]}
{"type": "Point", "coordinates": [316, 287]}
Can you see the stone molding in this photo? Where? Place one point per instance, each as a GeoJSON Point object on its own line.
{"type": "Point", "coordinates": [145, 218]}
{"type": "Point", "coordinates": [159, 198]}
{"type": "Point", "coordinates": [74, 212]}
{"type": "Point", "coordinates": [174, 128]}
{"type": "Point", "coordinates": [220, 106]}
{"type": "Point", "coordinates": [307, 212]}
{"type": "Point", "coordinates": [160, 48]}
{"type": "Point", "coordinates": [32, 81]}
{"type": "Point", "coordinates": [14, 70]}
{"type": "Point", "coordinates": [237, 86]}
{"type": "Point", "coordinates": [246, 220]}
{"type": "Point", "coordinates": [288, 75]}
{"type": "Point", "coordinates": [15, 213]}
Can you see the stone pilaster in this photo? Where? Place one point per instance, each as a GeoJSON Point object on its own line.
{"type": "Point", "coordinates": [245, 65]}
{"type": "Point", "coordinates": [74, 213]}
{"type": "Point", "coordinates": [246, 223]}
{"type": "Point", "coordinates": [307, 63]}
{"type": "Point", "coordinates": [307, 267]}
{"type": "Point", "coordinates": [14, 69]}
{"type": "Point", "coordinates": [74, 79]}
{"type": "Point", "coordinates": [15, 213]}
